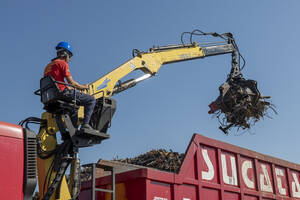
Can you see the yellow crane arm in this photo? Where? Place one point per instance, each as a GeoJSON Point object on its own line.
{"type": "Point", "coordinates": [149, 63]}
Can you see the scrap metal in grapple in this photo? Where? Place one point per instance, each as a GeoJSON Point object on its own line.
{"type": "Point", "coordinates": [239, 104]}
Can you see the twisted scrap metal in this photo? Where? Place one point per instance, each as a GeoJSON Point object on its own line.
{"type": "Point", "coordinates": [240, 105]}
{"type": "Point", "coordinates": [86, 173]}
{"type": "Point", "coordinates": [160, 159]}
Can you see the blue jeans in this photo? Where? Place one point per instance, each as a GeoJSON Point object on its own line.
{"type": "Point", "coordinates": [82, 99]}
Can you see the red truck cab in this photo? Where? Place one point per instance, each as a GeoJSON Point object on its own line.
{"type": "Point", "coordinates": [17, 162]}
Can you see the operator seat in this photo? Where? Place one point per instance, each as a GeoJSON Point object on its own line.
{"type": "Point", "coordinates": [53, 99]}
{"type": "Point", "coordinates": [56, 103]}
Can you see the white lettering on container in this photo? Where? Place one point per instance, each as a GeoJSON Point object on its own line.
{"type": "Point", "coordinates": [245, 166]}
{"type": "Point", "coordinates": [231, 180]}
{"type": "Point", "coordinates": [264, 177]}
{"type": "Point", "coordinates": [186, 199]}
{"type": "Point", "coordinates": [209, 175]}
{"type": "Point", "coordinates": [160, 198]}
{"type": "Point", "coordinates": [295, 186]}
{"type": "Point", "coordinates": [279, 173]}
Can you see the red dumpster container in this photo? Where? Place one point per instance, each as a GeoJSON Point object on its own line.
{"type": "Point", "coordinates": [211, 170]}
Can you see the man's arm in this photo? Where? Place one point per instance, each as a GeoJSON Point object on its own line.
{"type": "Point", "coordinates": [77, 85]}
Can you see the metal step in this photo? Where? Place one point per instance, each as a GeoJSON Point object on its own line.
{"type": "Point", "coordinates": [87, 138]}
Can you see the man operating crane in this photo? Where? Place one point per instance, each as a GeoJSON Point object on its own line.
{"type": "Point", "coordinates": [59, 70]}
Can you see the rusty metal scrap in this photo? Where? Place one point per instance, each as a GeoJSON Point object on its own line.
{"type": "Point", "coordinates": [160, 159]}
{"type": "Point", "coordinates": [86, 173]}
{"type": "Point", "coordinates": [240, 105]}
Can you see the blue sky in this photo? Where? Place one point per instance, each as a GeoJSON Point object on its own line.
{"type": "Point", "coordinates": [165, 111]}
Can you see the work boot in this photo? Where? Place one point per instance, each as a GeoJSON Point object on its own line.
{"type": "Point", "coordinates": [87, 127]}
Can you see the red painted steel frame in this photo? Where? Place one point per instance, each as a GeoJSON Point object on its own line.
{"type": "Point", "coordinates": [212, 170]}
{"type": "Point", "coordinates": [11, 161]}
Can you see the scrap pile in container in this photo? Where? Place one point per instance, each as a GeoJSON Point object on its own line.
{"type": "Point", "coordinates": [160, 159]}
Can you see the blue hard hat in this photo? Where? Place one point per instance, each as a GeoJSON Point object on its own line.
{"type": "Point", "coordinates": [64, 45]}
